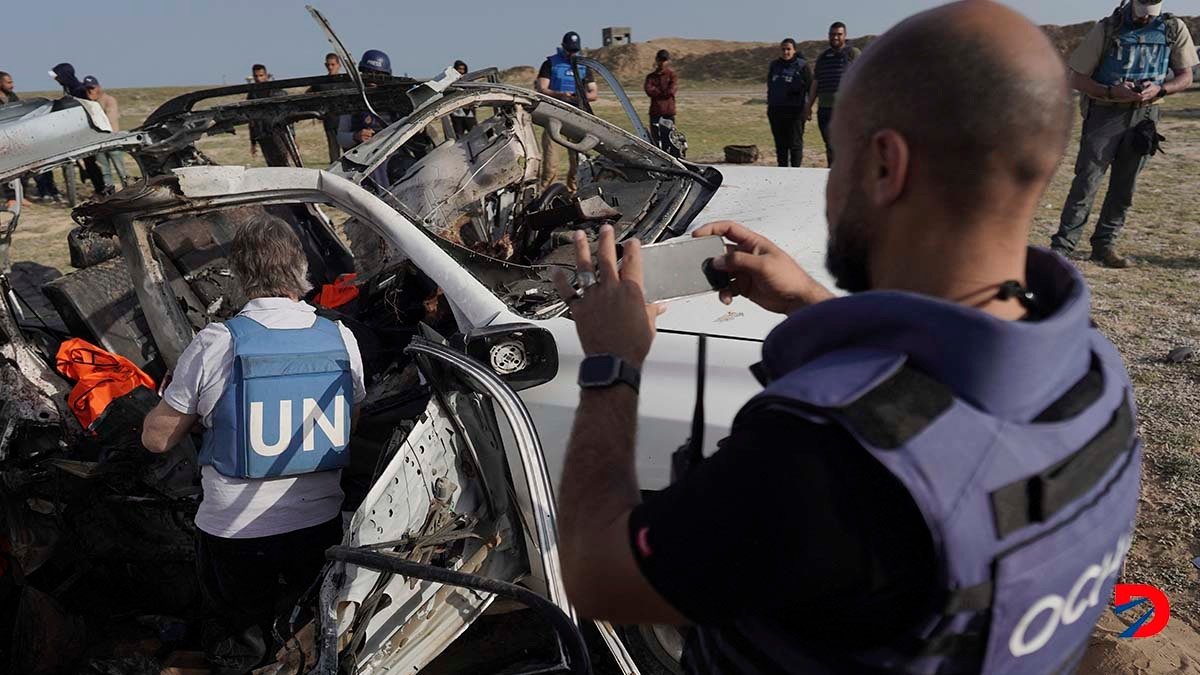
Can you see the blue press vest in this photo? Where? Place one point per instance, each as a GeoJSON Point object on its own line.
{"type": "Point", "coordinates": [1030, 520]}
{"type": "Point", "coordinates": [286, 408]}
{"type": "Point", "coordinates": [560, 72]}
{"type": "Point", "coordinates": [1136, 54]}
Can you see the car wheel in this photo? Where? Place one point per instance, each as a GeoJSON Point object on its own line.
{"type": "Point", "coordinates": [657, 650]}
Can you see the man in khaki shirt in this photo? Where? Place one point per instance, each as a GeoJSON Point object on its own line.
{"type": "Point", "coordinates": [107, 160]}
{"type": "Point", "coordinates": [1125, 66]}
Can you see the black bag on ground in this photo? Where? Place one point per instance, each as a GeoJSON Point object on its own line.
{"type": "Point", "coordinates": [741, 154]}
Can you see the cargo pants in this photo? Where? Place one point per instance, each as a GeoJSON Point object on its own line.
{"type": "Point", "coordinates": [549, 170]}
{"type": "Point", "coordinates": [1104, 144]}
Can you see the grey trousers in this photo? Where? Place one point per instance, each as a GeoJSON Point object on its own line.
{"type": "Point", "coordinates": [1105, 143]}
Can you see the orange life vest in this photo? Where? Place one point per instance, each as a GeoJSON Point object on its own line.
{"type": "Point", "coordinates": [100, 378]}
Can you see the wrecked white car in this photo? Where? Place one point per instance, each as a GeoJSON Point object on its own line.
{"type": "Point", "coordinates": [453, 242]}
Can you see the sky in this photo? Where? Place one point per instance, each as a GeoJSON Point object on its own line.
{"type": "Point", "coordinates": [202, 42]}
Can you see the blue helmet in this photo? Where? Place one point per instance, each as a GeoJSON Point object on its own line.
{"type": "Point", "coordinates": [375, 61]}
{"type": "Point", "coordinates": [572, 43]}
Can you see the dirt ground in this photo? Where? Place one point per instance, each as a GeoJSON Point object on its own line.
{"type": "Point", "coordinates": [1147, 311]}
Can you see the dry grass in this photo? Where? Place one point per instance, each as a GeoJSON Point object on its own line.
{"type": "Point", "coordinates": [1146, 311]}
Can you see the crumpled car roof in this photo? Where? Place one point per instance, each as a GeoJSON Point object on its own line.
{"type": "Point", "coordinates": [37, 133]}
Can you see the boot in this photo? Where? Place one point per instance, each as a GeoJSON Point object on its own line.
{"type": "Point", "coordinates": [1108, 257]}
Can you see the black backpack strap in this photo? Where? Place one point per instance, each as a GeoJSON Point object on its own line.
{"type": "Point", "coordinates": [887, 416]}
{"type": "Point", "coordinates": [1038, 498]}
{"type": "Point", "coordinates": [1174, 25]}
{"type": "Point", "coordinates": [898, 409]}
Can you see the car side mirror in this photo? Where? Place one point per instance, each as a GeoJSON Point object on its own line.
{"type": "Point", "coordinates": [523, 355]}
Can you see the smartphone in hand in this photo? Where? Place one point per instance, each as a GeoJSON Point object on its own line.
{"type": "Point", "coordinates": [682, 268]}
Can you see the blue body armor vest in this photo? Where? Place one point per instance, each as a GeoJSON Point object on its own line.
{"type": "Point", "coordinates": [1028, 490]}
{"type": "Point", "coordinates": [1136, 53]}
{"type": "Point", "coordinates": [560, 72]}
{"type": "Point", "coordinates": [286, 408]}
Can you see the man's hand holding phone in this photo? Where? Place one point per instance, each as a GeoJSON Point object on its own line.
{"type": "Point", "coordinates": [610, 312]}
{"type": "Point", "coordinates": [1125, 92]}
{"type": "Point", "coordinates": [761, 271]}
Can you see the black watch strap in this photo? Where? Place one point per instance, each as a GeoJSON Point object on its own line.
{"type": "Point", "coordinates": [601, 371]}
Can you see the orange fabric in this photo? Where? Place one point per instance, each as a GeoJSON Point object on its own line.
{"type": "Point", "coordinates": [342, 290]}
{"type": "Point", "coordinates": [100, 378]}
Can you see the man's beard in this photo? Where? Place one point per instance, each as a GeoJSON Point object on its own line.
{"type": "Point", "coordinates": [846, 255]}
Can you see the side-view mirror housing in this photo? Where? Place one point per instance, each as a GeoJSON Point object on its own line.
{"type": "Point", "coordinates": [522, 354]}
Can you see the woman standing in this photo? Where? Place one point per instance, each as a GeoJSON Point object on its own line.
{"type": "Point", "coordinates": [788, 81]}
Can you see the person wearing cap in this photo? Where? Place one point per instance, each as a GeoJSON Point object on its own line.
{"type": "Point", "coordinates": [463, 119]}
{"type": "Point", "coordinates": [112, 111]}
{"type": "Point", "coordinates": [258, 130]}
{"type": "Point", "coordinates": [557, 78]}
{"type": "Point", "coordinates": [831, 65]}
{"type": "Point", "coordinates": [64, 75]}
{"type": "Point", "coordinates": [1125, 66]}
{"type": "Point", "coordinates": [661, 86]}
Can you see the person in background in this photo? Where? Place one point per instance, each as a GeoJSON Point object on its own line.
{"type": "Point", "coordinates": [788, 82]}
{"type": "Point", "coordinates": [258, 130]}
{"type": "Point", "coordinates": [47, 191]}
{"type": "Point", "coordinates": [463, 119]}
{"type": "Point", "coordinates": [557, 79]}
{"type": "Point", "coordinates": [661, 86]}
{"type": "Point", "coordinates": [353, 130]}
{"type": "Point", "coordinates": [946, 460]}
{"type": "Point", "coordinates": [107, 160]}
{"type": "Point", "coordinates": [7, 94]}
{"type": "Point", "coordinates": [64, 74]}
{"type": "Point", "coordinates": [333, 66]}
{"type": "Point", "coordinates": [272, 492]}
{"type": "Point", "coordinates": [831, 65]}
{"type": "Point", "coordinates": [1125, 66]}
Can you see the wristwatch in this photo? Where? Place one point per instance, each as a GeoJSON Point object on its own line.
{"type": "Point", "coordinates": [602, 371]}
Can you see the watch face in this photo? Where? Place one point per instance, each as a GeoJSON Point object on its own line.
{"type": "Point", "coordinates": [598, 370]}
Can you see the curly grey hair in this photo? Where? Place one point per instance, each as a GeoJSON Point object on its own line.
{"type": "Point", "coordinates": [268, 260]}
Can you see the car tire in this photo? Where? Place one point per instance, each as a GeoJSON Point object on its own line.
{"type": "Point", "coordinates": [655, 649]}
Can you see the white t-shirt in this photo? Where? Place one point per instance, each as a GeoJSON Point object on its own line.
{"type": "Point", "coordinates": [236, 508]}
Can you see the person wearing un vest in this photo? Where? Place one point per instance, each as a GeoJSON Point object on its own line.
{"type": "Point", "coordinates": [830, 67]}
{"type": "Point", "coordinates": [556, 79]}
{"type": "Point", "coordinates": [276, 391]}
{"type": "Point", "coordinates": [941, 473]}
{"type": "Point", "coordinates": [1125, 66]}
{"type": "Point", "coordinates": [788, 80]}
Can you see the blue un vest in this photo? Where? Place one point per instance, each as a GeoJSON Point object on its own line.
{"type": "Point", "coordinates": [1030, 513]}
{"type": "Point", "coordinates": [286, 408]}
{"type": "Point", "coordinates": [1136, 54]}
{"type": "Point", "coordinates": [561, 78]}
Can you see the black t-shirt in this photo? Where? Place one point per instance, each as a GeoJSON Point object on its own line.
{"type": "Point", "coordinates": [586, 78]}
{"type": "Point", "coordinates": [794, 524]}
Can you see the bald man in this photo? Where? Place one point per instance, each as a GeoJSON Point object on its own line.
{"type": "Point", "coordinates": [942, 472]}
